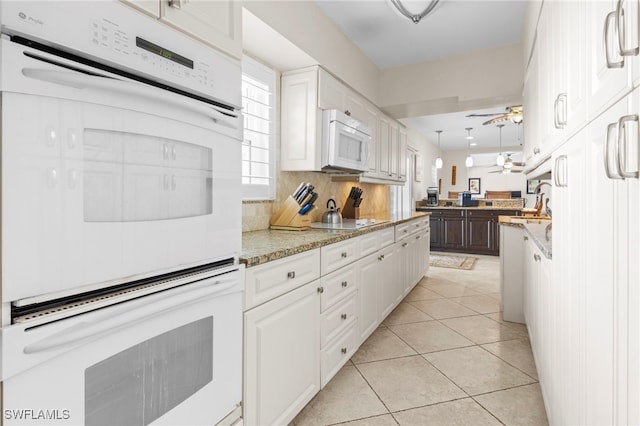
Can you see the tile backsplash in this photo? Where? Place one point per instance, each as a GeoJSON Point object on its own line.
{"type": "Point", "coordinates": [375, 198]}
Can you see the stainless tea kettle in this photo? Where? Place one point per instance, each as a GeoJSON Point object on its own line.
{"type": "Point", "coordinates": [333, 214]}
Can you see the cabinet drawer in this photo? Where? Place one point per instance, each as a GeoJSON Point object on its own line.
{"type": "Point", "coordinates": [337, 319]}
{"type": "Point", "coordinates": [387, 236]}
{"type": "Point", "coordinates": [369, 243]}
{"type": "Point", "coordinates": [335, 256]}
{"type": "Point", "coordinates": [337, 285]}
{"type": "Point", "coordinates": [268, 281]}
{"type": "Point", "coordinates": [408, 228]}
{"type": "Point", "coordinates": [338, 353]}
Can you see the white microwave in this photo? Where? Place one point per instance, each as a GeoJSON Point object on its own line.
{"type": "Point", "coordinates": [345, 143]}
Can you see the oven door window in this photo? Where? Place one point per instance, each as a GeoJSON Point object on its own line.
{"type": "Point", "coordinates": [137, 178]}
{"type": "Point", "coordinates": [142, 383]}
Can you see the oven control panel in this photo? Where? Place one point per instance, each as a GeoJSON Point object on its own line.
{"type": "Point", "coordinates": [117, 35]}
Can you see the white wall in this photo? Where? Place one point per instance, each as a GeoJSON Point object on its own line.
{"type": "Point", "coordinates": [476, 80]}
{"type": "Point", "coordinates": [307, 27]}
{"type": "Point", "coordinates": [428, 153]}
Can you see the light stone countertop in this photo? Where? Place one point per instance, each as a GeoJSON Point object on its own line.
{"type": "Point", "coordinates": [537, 230]}
{"type": "Point", "coordinates": [259, 247]}
{"type": "Point", "coordinates": [426, 209]}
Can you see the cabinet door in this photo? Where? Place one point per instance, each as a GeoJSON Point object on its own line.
{"type": "Point", "coordinates": [607, 85]}
{"type": "Point", "coordinates": [402, 154]}
{"type": "Point", "coordinates": [217, 23]}
{"type": "Point", "coordinates": [389, 289]}
{"type": "Point", "coordinates": [479, 231]}
{"type": "Point", "coordinates": [332, 94]}
{"type": "Point", "coordinates": [384, 133]}
{"type": "Point", "coordinates": [282, 356]}
{"type": "Point", "coordinates": [300, 120]}
{"type": "Point", "coordinates": [453, 232]}
{"type": "Point", "coordinates": [394, 150]}
{"type": "Point", "coordinates": [367, 270]}
{"type": "Point", "coordinates": [569, 239]}
{"type": "Point", "coordinates": [435, 223]}
{"type": "Point", "coordinates": [152, 7]}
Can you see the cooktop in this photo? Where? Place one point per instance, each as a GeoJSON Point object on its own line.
{"type": "Point", "coordinates": [348, 224]}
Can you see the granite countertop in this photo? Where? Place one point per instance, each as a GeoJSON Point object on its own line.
{"type": "Point", "coordinates": [539, 231]}
{"type": "Point", "coordinates": [259, 247]}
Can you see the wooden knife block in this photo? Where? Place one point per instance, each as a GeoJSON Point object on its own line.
{"type": "Point", "coordinates": [350, 212]}
{"type": "Point", "coordinates": [287, 217]}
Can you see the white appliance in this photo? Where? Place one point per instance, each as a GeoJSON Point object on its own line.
{"type": "Point", "coordinates": [110, 176]}
{"type": "Point", "coordinates": [121, 219]}
{"type": "Point", "coordinates": [346, 143]}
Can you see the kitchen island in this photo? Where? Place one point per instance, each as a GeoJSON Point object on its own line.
{"type": "Point", "coordinates": [467, 229]}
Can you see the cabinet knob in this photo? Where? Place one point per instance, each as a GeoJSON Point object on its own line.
{"type": "Point", "coordinates": [536, 257]}
{"type": "Point", "coordinates": [417, 237]}
{"type": "Point", "coordinates": [347, 112]}
{"type": "Point", "coordinates": [291, 274]}
{"type": "Point", "coordinates": [343, 316]}
{"type": "Point", "coordinates": [404, 244]}
{"type": "Point", "coordinates": [536, 150]}
{"type": "Point", "coordinates": [344, 284]}
{"type": "Point", "coordinates": [343, 350]}
{"type": "Point", "coordinates": [343, 254]}
{"type": "Point", "coordinates": [526, 238]}
{"type": "Point", "coordinates": [320, 290]}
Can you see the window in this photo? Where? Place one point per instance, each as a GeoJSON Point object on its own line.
{"type": "Point", "coordinates": [258, 145]}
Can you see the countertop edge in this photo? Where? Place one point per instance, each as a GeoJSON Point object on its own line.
{"type": "Point", "coordinates": [535, 235]}
{"type": "Point", "coordinates": [335, 237]}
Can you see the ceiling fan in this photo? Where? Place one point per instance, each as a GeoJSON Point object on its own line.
{"type": "Point", "coordinates": [509, 166]}
{"type": "Point", "coordinates": [513, 113]}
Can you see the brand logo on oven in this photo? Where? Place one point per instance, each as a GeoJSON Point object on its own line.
{"type": "Point", "coordinates": [30, 19]}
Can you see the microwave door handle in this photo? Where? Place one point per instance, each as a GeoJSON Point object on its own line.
{"type": "Point", "coordinates": [81, 81]}
{"type": "Point", "coordinates": [117, 318]}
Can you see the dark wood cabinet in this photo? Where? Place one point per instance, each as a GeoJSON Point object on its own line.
{"type": "Point", "coordinates": [467, 230]}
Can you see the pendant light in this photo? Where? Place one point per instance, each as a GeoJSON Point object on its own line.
{"type": "Point", "coordinates": [439, 159]}
{"type": "Point", "coordinates": [469, 161]}
{"type": "Point", "coordinates": [500, 159]}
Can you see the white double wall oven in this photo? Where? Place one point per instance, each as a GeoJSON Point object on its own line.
{"type": "Point", "coordinates": [121, 221]}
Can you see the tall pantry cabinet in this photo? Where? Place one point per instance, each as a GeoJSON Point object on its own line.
{"type": "Point", "coordinates": [582, 124]}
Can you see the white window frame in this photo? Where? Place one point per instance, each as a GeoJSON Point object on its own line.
{"type": "Point", "coordinates": [266, 75]}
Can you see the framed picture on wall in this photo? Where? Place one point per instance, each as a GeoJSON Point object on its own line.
{"type": "Point", "coordinates": [474, 185]}
{"type": "Point", "coordinates": [419, 168]}
{"type": "Point", "coordinates": [531, 185]}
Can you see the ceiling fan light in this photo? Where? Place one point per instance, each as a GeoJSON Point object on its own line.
{"type": "Point", "coordinates": [508, 163]}
{"type": "Point", "coordinates": [516, 118]}
{"type": "Point", "coordinates": [500, 160]}
{"type": "Point", "coordinates": [469, 161]}
{"type": "Point", "coordinates": [439, 163]}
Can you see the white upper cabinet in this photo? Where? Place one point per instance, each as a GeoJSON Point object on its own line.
{"type": "Point", "coordinates": [305, 93]}
{"type": "Point", "coordinates": [216, 23]}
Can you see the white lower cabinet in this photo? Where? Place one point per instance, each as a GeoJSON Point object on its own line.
{"type": "Point", "coordinates": [282, 356]}
{"type": "Point", "coordinates": [307, 314]}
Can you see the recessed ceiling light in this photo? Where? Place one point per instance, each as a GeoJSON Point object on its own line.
{"type": "Point", "coordinates": [473, 144]}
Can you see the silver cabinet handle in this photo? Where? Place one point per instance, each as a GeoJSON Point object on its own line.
{"type": "Point", "coordinates": [320, 290]}
{"type": "Point", "coordinates": [165, 183]}
{"type": "Point", "coordinates": [607, 151]}
{"type": "Point", "coordinates": [291, 275]}
{"type": "Point", "coordinates": [174, 182]}
{"type": "Point", "coordinates": [344, 283]}
{"type": "Point", "coordinates": [347, 112]}
{"type": "Point", "coordinates": [536, 257]}
{"type": "Point", "coordinates": [610, 64]}
{"type": "Point", "coordinates": [560, 176]}
{"type": "Point", "coordinates": [177, 4]}
{"type": "Point", "coordinates": [560, 114]}
{"type": "Point", "coordinates": [622, 147]}
{"type": "Point", "coordinates": [343, 254]}
{"type": "Point", "coordinates": [343, 316]}
{"type": "Point", "coordinates": [536, 150]}
{"type": "Point", "coordinates": [174, 152]}
{"type": "Point", "coordinates": [343, 350]}
{"type": "Point", "coordinates": [622, 32]}
{"type": "Point", "coordinates": [556, 173]}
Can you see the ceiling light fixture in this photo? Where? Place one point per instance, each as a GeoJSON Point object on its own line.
{"type": "Point", "coordinates": [469, 161]}
{"type": "Point", "coordinates": [439, 159]}
{"type": "Point", "coordinates": [500, 159]}
{"type": "Point", "coordinates": [418, 17]}
{"type": "Point", "coordinates": [508, 163]}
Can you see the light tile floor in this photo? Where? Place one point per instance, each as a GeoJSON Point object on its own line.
{"type": "Point", "coordinates": [443, 357]}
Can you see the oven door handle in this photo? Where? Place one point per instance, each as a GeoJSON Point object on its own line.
{"type": "Point", "coordinates": [108, 84]}
{"type": "Point", "coordinates": [120, 316]}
